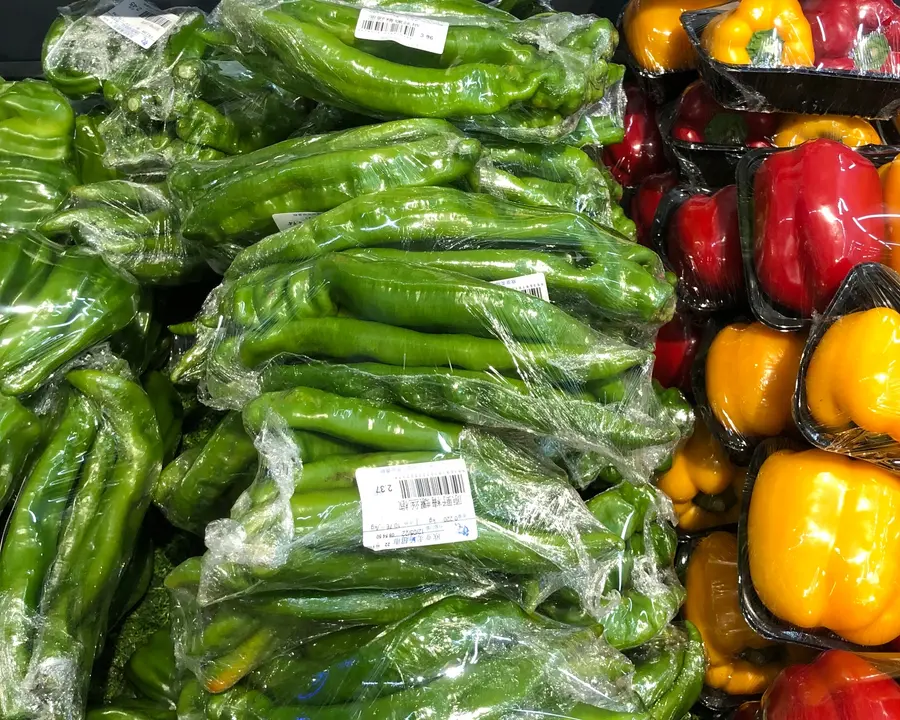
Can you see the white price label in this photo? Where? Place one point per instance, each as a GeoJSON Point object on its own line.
{"type": "Point", "coordinates": [139, 21]}
{"type": "Point", "coordinates": [288, 220]}
{"type": "Point", "coordinates": [535, 284]}
{"type": "Point", "coordinates": [410, 31]}
{"type": "Point", "coordinates": [415, 505]}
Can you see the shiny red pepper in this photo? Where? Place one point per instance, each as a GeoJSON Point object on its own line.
{"type": "Point", "coordinates": [700, 119]}
{"type": "Point", "coordinates": [853, 34]}
{"type": "Point", "coordinates": [676, 347]}
{"type": "Point", "coordinates": [646, 199]}
{"type": "Point", "coordinates": [641, 152]}
{"type": "Point", "coordinates": [704, 245]}
{"type": "Point", "coordinates": [837, 686]}
{"type": "Point", "coordinates": [818, 213]}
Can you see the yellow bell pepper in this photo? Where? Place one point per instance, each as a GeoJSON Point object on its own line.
{"type": "Point", "coordinates": [852, 131]}
{"type": "Point", "coordinates": [712, 605]}
{"type": "Point", "coordinates": [824, 544]}
{"type": "Point", "coordinates": [750, 375]}
{"type": "Point", "coordinates": [752, 33]}
{"type": "Point", "coordinates": [854, 374]}
{"type": "Point", "coordinates": [655, 35]}
{"type": "Point", "coordinates": [890, 184]}
{"type": "Point", "coordinates": [704, 485]}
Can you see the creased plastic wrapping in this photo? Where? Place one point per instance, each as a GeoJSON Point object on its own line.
{"type": "Point", "coordinates": [527, 80]}
{"type": "Point", "coordinates": [56, 303]}
{"type": "Point", "coordinates": [69, 538]}
{"type": "Point", "coordinates": [640, 153]}
{"type": "Point", "coordinates": [460, 657]}
{"type": "Point", "coordinates": [845, 402]}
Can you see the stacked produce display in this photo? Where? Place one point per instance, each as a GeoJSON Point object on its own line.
{"type": "Point", "coordinates": [402, 359]}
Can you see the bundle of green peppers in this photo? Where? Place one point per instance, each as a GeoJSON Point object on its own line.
{"type": "Point", "coordinates": [524, 80]}
{"type": "Point", "coordinates": [69, 540]}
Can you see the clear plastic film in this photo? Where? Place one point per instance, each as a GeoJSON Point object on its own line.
{"type": "Point", "coordinates": [842, 202]}
{"type": "Point", "coordinates": [69, 541]}
{"type": "Point", "coordinates": [134, 227]}
{"type": "Point", "coordinates": [819, 538]}
{"type": "Point", "coordinates": [641, 152]}
{"type": "Point", "coordinates": [527, 80]}
{"type": "Point", "coordinates": [845, 402]}
{"type": "Point", "coordinates": [56, 303]}
{"type": "Point", "coordinates": [459, 657]}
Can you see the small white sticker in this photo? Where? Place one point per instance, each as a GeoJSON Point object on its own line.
{"type": "Point", "coordinates": [139, 21]}
{"type": "Point", "coordinates": [535, 285]}
{"type": "Point", "coordinates": [411, 31]}
{"type": "Point", "coordinates": [415, 505]}
{"type": "Point", "coordinates": [289, 220]}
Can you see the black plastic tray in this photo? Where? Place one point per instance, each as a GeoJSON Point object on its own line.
{"type": "Point", "coordinates": [689, 296]}
{"type": "Point", "coordinates": [768, 312]}
{"type": "Point", "coordinates": [659, 87]}
{"type": "Point", "coordinates": [798, 90]}
{"type": "Point", "coordinates": [755, 613]}
{"type": "Point", "coordinates": [856, 293]}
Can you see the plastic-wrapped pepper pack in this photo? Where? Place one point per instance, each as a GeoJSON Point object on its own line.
{"type": "Point", "coordinates": [478, 66]}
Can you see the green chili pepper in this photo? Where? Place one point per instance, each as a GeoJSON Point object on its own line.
{"type": "Point", "coordinates": [31, 189]}
{"type": "Point", "coordinates": [90, 149]}
{"type": "Point", "coordinates": [36, 121]}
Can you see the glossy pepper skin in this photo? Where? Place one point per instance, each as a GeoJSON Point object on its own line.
{"type": "Point", "coordinates": [838, 25]}
{"type": "Point", "coordinates": [854, 373]}
{"type": "Point", "coordinates": [700, 119]}
{"type": "Point", "coordinates": [704, 247]}
{"type": "Point", "coordinates": [646, 199]}
{"type": "Point", "coordinates": [837, 686]}
{"type": "Point", "coordinates": [703, 483]}
{"type": "Point", "coordinates": [656, 37]}
{"type": "Point", "coordinates": [89, 151]}
{"type": "Point", "coordinates": [641, 152]}
{"type": "Point", "coordinates": [712, 605]}
{"type": "Point", "coordinates": [765, 33]}
{"type": "Point", "coordinates": [890, 185]}
{"type": "Point", "coordinates": [824, 538]}
{"type": "Point", "coordinates": [750, 376]}
{"type": "Point", "coordinates": [851, 131]}
{"type": "Point", "coordinates": [817, 213]}
{"type": "Point", "coordinates": [676, 347]}
{"type": "Point", "coordinates": [36, 121]}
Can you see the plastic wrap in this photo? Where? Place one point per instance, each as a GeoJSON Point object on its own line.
{"type": "Point", "coordinates": [133, 226]}
{"type": "Point", "coordinates": [551, 176]}
{"type": "Point", "coordinates": [698, 233]}
{"type": "Point", "coordinates": [641, 151]}
{"type": "Point", "coordinates": [844, 402]}
{"type": "Point", "coordinates": [646, 199]}
{"type": "Point", "coordinates": [818, 541]}
{"type": "Point", "coordinates": [460, 658]}
{"type": "Point", "coordinates": [241, 199]}
{"type": "Point", "coordinates": [803, 57]}
{"type": "Point", "coordinates": [677, 344]}
{"type": "Point", "coordinates": [829, 195]}
{"type": "Point", "coordinates": [526, 80]}
{"type": "Point", "coordinates": [56, 303]}
{"type": "Point", "coordinates": [743, 383]}
{"type": "Point", "coordinates": [69, 539]}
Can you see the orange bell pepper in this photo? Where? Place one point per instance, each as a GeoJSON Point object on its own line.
{"type": "Point", "coordinates": [764, 33]}
{"type": "Point", "coordinates": [890, 184]}
{"type": "Point", "coordinates": [704, 485]}
{"type": "Point", "coordinates": [655, 36]}
{"type": "Point", "coordinates": [750, 375]}
{"type": "Point", "coordinates": [712, 605]}
{"type": "Point", "coordinates": [824, 544]}
{"type": "Point", "coordinates": [854, 374]}
{"type": "Point", "coordinates": [852, 131]}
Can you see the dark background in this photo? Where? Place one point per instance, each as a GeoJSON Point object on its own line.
{"type": "Point", "coordinates": [24, 24]}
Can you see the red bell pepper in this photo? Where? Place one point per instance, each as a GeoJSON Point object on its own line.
{"type": "Point", "coordinates": [676, 347]}
{"type": "Point", "coordinates": [646, 199]}
{"type": "Point", "coordinates": [818, 213]}
{"type": "Point", "coordinates": [704, 245]}
{"type": "Point", "coordinates": [700, 119]}
{"type": "Point", "coordinates": [641, 152]}
{"type": "Point", "coordinates": [837, 686]}
{"type": "Point", "coordinates": [853, 34]}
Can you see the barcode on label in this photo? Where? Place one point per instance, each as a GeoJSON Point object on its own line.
{"type": "Point", "coordinates": [409, 30]}
{"type": "Point", "coordinates": [164, 21]}
{"type": "Point", "coordinates": [140, 21]}
{"type": "Point", "coordinates": [452, 484]}
{"type": "Point", "coordinates": [416, 504]}
{"type": "Point", "coordinates": [535, 285]}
